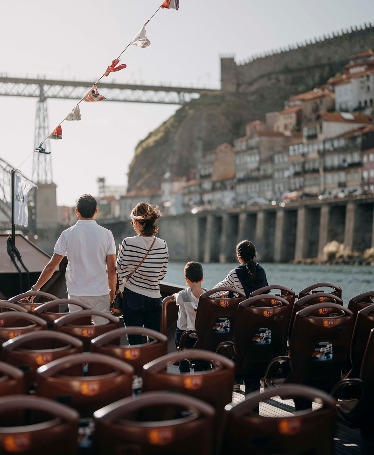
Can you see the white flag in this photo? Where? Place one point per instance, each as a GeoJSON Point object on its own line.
{"type": "Point", "coordinates": [22, 187]}
{"type": "Point", "coordinates": [140, 39]}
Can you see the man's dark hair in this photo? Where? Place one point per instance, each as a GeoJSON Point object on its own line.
{"type": "Point", "coordinates": [193, 271]}
{"type": "Point", "coordinates": [86, 206]}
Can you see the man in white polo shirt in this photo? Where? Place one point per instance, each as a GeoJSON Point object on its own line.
{"type": "Point", "coordinates": [91, 271]}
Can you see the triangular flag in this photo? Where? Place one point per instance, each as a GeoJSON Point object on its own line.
{"type": "Point", "coordinates": [173, 4]}
{"type": "Point", "coordinates": [94, 95]}
{"type": "Point", "coordinates": [22, 187]}
{"type": "Point", "coordinates": [75, 114]}
{"type": "Point", "coordinates": [113, 67]}
{"type": "Point", "coordinates": [140, 39]}
{"type": "Point", "coordinates": [56, 133]}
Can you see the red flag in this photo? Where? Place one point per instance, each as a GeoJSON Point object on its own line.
{"type": "Point", "coordinates": [173, 4]}
{"type": "Point", "coordinates": [94, 95]}
{"type": "Point", "coordinates": [57, 132]}
{"type": "Point", "coordinates": [113, 67]}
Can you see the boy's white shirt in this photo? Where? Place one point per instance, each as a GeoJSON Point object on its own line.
{"type": "Point", "coordinates": [187, 309]}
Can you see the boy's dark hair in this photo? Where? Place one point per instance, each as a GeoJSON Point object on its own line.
{"type": "Point", "coordinates": [193, 271]}
{"type": "Point", "coordinates": [87, 206]}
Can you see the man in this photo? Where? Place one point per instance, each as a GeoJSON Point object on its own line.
{"type": "Point", "coordinates": [91, 271]}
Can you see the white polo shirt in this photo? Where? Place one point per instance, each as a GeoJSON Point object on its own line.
{"type": "Point", "coordinates": [86, 245]}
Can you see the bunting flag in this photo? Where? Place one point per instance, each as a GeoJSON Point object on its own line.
{"type": "Point", "coordinates": [140, 39]}
{"type": "Point", "coordinates": [57, 132]}
{"type": "Point", "coordinates": [113, 67]}
{"type": "Point", "coordinates": [22, 187]}
{"type": "Point", "coordinates": [94, 95]}
{"type": "Point", "coordinates": [41, 149]}
{"type": "Point", "coordinates": [170, 4]}
{"type": "Point", "coordinates": [75, 114]}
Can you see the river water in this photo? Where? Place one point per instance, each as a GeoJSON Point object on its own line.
{"type": "Point", "coordinates": [353, 280]}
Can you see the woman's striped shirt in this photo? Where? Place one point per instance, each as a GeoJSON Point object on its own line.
{"type": "Point", "coordinates": [146, 279]}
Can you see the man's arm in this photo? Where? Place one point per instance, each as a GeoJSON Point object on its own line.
{"type": "Point", "coordinates": [112, 275]}
{"type": "Point", "coordinates": [48, 271]}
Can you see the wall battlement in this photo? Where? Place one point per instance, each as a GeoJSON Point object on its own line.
{"type": "Point", "coordinates": [314, 62]}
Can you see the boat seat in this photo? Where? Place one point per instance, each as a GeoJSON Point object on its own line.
{"type": "Point", "coordinates": [260, 334]}
{"type": "Point", "coordinates": [318, 348]}
{"type": "Point", "coordinates": [80, 325]}
{"type": "Point", "coordinates": [37, 426]}
{"type": "Point", "coordinates": [32, 299]}
{"type": "Point", "coordinates": [15, 323]}
{"type": "Point", "coordinates": [249, 429]}
{"type": "Point", "coordinates": [364, 323]}
{"type": "Point", "coordinates": [85, 381]}
{"type": "Point", "coordinates": [215, 317]}
{"type": "Point", "coordinates": [12, 381]}
{"type": "Point", "coordinates": [213, 385]}
{"type": "Point", "coordinates": [31, 350]}
{"type": "Point", "coordinates": [329, 288]}
{"type": "Point", "coordinates": [361, 301]}
{"type": "Point", "coordinates": [50, 311]}
{"type": "Point", "coordinates": [155, 423]}
{"type": "Point", "coordinates": [312, 299]}
{"type": "Point", "coordinates": [355, 396]}
{"type": "Point", "coordinates": [115, 344]}
{"type": "Point", "coordinates": [6, 306]}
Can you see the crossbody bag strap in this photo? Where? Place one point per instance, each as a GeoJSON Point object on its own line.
{"type": "Point", "coordinates": [121, 287]}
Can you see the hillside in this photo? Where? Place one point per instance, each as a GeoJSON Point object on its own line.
{"type": "Point", "coordinates": [249, 91]}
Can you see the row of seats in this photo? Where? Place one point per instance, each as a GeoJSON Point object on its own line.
{"type": "Point", "coordinates": [212, 386]}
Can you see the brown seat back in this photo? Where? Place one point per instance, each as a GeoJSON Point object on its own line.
{"type": "Point", "coordinates": [215, 316]}
{"type": "Point", "coordinates": [275, 431]}
{"type": "Point", "coordinates": [260, 333]}
{"type": "Point", "coordinates": [85, 381]}
{"type": "Point", "coordinates": [320, 344]}
{"type": "Point", "coordinates": [362, 328]}
{"type": "Point", "coordinates": [37, 426]}
{"type": "Point", "coordinates": [284, 292]}
{"type": "Point", "coordinates": [31, 350]}
{"type": "Point", "coordinates": [360, 301]}
{"type": "Point", "coordinates": [15, 323]}
{"type": "Point", "coordinates": [12, 381]}
{"type": "Point", "coordinates": [80, 325]}
{"type": "Point", "coordinates": [115, 344]}
{"type": "Point", "coordinates": [39, 298]}
{"type": "Point", "coordinates": [6, 306]}
{"type": "Point", "coordinates": [50, 311]}
{"type": "Point", "coordinates": [214, 385]}
{"type": "Point", "coordinates": [329, 288]}
{"type": "Point", "coordinates": [155, 422]}
{"type": "Point", "coordinates": [312, 299]}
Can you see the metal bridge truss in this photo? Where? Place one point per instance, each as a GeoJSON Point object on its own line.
{"type": "Point", "coordinates": [129, 93]}
{"type": "Point", "coordinates": [42, 89]}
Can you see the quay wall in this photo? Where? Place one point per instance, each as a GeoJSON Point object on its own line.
{"type": "Point", "coordinates": [296, 232]}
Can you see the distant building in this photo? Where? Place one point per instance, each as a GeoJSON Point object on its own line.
{"type": "Point", "coordinates": [354, 89]}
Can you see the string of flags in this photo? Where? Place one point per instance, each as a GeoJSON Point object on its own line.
{"type": "Point", "coordinates": [93, 95]}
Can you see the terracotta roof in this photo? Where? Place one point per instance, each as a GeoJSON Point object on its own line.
{"type": "Point", "coordinates": [311, 95]}
{"type": "Point", "coordinates": [290, 110]}
{"type": "Point", "coordinates": [345, 117]}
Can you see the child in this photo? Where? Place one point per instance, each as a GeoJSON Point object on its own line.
{"type": "Point", "coordinates": [187, 300]}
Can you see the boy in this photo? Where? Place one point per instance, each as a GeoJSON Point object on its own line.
{"type": "Point", "coordinates": [187, 300]}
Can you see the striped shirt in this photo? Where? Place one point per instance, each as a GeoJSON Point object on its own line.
{"type": "Point", "coordinates": [232, 280]}
{"type": "Point", "coordinates": [146, 279]}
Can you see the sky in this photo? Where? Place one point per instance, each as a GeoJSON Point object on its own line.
{"type": "Point", "coordinates": [78, 39]}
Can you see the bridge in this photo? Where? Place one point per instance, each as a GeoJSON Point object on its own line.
{"type": "Point", "coordinates": [42, 88]}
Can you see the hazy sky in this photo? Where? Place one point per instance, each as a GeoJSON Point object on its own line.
{"type": "Point", "coordinates": [78, 39]}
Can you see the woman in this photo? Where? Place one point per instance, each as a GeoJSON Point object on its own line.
{"type": "Point", "coordinates": [249, 275]}
{"type": "Point", "coordinates": [141, 264]}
